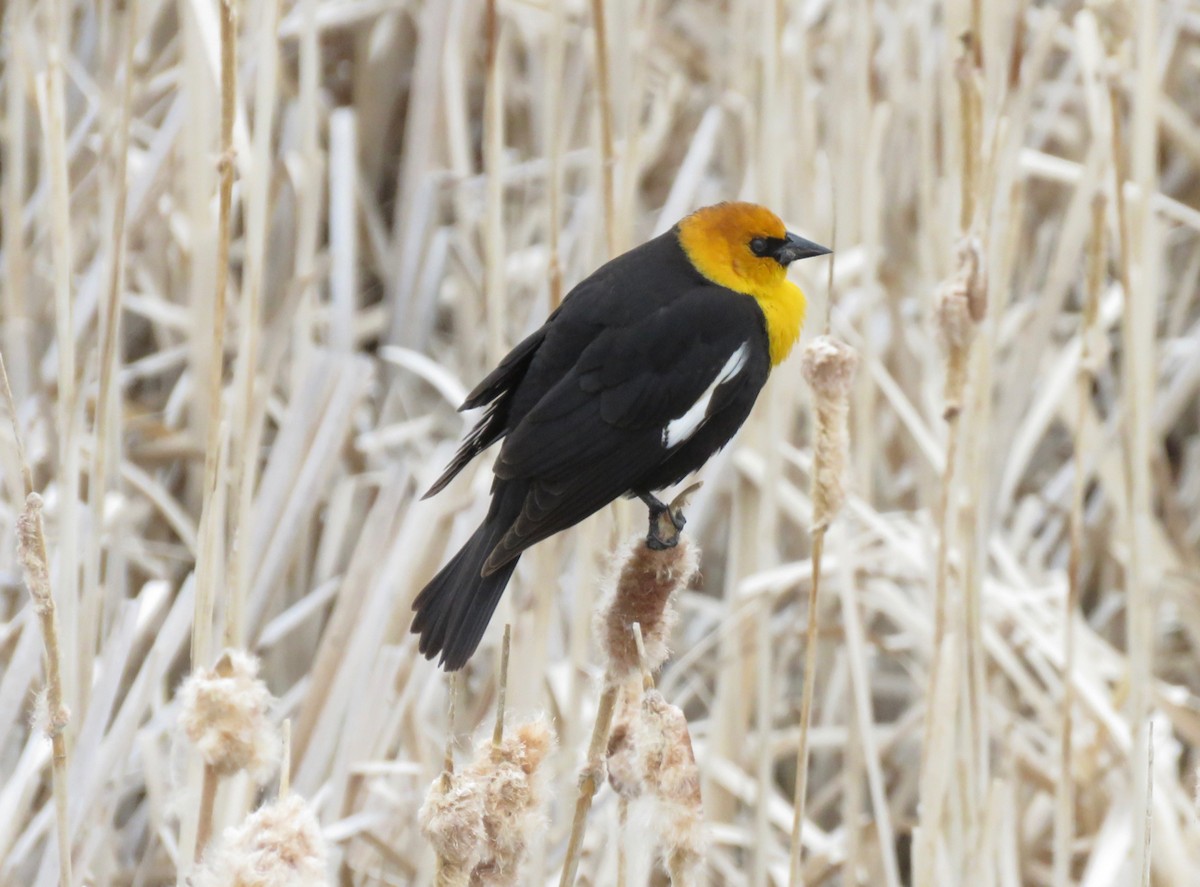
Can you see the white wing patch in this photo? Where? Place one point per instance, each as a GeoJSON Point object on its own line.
{"type": "Point", "coordinates": [680, 429]}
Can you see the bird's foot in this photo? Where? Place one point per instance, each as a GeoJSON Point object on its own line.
{"type": "Point", "coordinates": [666, 521]}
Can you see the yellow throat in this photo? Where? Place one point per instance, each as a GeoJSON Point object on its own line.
{"type": "Point", "coordinates": [716, 241]}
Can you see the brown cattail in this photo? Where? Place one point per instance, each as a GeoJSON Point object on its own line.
{"type": "Point", "coordinates": [667, 766]}
{"type": "Point", "coordinates": [829, 366]}
{"type": "Point", "coordinates": [225, 713]}
{"type": "Point", "coordinates": [279, 845]}
{"type": "Point", "coordinates": [452, 821]}
{"type": "Point", "coordinates": [624, 772]}
{"type": "Point", "coordinates": [507, 776]}
{"type": "Point", "coordinates": [643, 592]}
{"type": "Point", "coordinates": [961, 307]}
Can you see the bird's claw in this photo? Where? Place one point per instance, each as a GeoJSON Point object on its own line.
{"type": "Point", "coordinates": [667, 521]}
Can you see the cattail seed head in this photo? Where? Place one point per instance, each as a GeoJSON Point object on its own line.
{"type": "Point", "coordinates": [31, 552]}
{"type": "Point", "coordinates": [668, 767]}
{"type": "Point", "coordinates": [225, 713]}
{"type": "Point", "coordinates": [508, 778]}
{"type": "Point", "coordinates": [961, 306]}
{"type": "Point", "coordinates": [829, 366]}
{"type": "Point", "coordinates": [279, 845]}
{"type": "Point", "coordinates": [624, 773]}
{"type": "Point", "coordinates": [452, 821]}
{"type": "Point", "coordinates": [643, 592]}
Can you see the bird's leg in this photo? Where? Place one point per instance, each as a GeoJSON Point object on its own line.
{"type": "Point", "coordinates": [666, 521]}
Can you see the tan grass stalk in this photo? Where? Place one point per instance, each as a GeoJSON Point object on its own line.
{"type": "Point", "coordinates": [211, 524]}
{"type": "Point", "coordinates": [829, 367]}
{"type": "Point", "coordinates": [493, 168]}
{"type": "Point", "coordinates": [31, 551]}
{"type": "Point", "coordinates": [604, 112]}
{"type": "Point", "coordinates": [51, 95]}
{"type": "Point", "coordinates": [108, 407]}
{"type": "Point", "coordinates": [35, 566]}
{"type": "Point", "coordinates": [1064, 809]}
{"type": "Point", "coordinates": [245, 455]}
{"type": "Point", "coordinates": [554, 145]}
{"type": "Point", "coordinates": [17, 322]}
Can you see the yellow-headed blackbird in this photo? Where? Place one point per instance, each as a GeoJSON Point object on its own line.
{"type": "Point", "coordinates": [647, 368]}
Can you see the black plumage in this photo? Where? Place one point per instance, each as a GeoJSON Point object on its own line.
{"type": "Point", "coordinates": [585, 406]}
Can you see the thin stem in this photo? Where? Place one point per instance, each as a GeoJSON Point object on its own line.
{"type": "Point", "coordinates": [589, 783]}
{"type": "Point", "coordinates": [502, 693]}
{"type": "Point", "coordinates": [208, 799]}
{"type": "Point", "coordinates": [795, 874]}
{"type": "Point", "coordinates": [607, 151]}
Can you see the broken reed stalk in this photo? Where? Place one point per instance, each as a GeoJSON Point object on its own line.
{"type": "Point", "coordinates": [590, 781]}
{"type": "Point", "coordinates": [31, 552]}
{"type": "Point", "coordinates": [644, 586]}
{"type": "Point", "coordinates": [1064, 799]}
{"type": "Point", "coordinates": [607, 149]}
{"type": "Point", "coordinates": [224, 712]}
{"type": "Point", "coordinates": [828, 366]}
{"type": "Point", "coordinates": [211, 525]}
{"type": "Point", "coordinates": [208, 800]}
{"type": "Point", "coordinates": [502, 690]}
{"type": "Point", "coordinates": [960, 308]}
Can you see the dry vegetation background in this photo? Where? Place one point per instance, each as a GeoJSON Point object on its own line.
{"type": "Point", "coordinates": [414, 184]}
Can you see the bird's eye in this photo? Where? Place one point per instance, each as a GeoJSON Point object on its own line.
{"type": "Point", "coordinates": [758, 246]}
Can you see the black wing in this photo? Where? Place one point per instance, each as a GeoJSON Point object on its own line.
{"type": "Point", "coordinates": [606, 422]}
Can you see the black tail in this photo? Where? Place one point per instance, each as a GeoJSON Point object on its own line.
{"type": "Point", "coordinates": [454, 609]}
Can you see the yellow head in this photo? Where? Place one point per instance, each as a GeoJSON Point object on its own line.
{"type": "Point", "coordinates": [746, 248]}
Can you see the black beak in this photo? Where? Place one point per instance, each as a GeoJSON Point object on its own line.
{"type": "Point", "coordinates": [796, 247]}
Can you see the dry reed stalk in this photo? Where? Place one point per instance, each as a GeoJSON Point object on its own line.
{"type": "Point", "coordinates": [1140, 259]}
{"type": "Point", "coordinates": [224, 712]}
{"type": "Point", "coordinates": [493, 167]}
{"type": "Point", "coordinates": [212, 524]}
{"type": "Point", "coordinates": [604, 114]}
{"type": "Point", "coordinates": [51, 90]}
{"type": "Point", "coordinates": [31, 551]}
{"type": "Point", "coordinates": [245, 456]}
{"type": "Point", "coordinates": [451, 816]}
{"type": "Point", "coordinates": [960, 307]}
{"type": "Point", "coordinates": [1064, 810]}
{"type": "Point", "coordinates": [14, 294]}
{"type": "Point", "coordinates": [553, 140]}
{"type": "Point", "coordinates": [35, 567]}
{"type": "Point", "coordinates": [106, 428]}
{"type": "Point", "coordinates": [829, 367]}
{"type": "Point", "coordinates": [641, 594]}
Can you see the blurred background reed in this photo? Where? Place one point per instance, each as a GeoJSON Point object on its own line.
{"type": "Point", "coordinates": [231, 452]}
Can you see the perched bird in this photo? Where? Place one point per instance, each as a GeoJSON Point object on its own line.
{"type": "Point", "coordinates": [648, 368]}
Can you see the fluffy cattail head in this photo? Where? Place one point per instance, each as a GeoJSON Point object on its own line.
{"type": "Point", "coordinates": [279, 845]}
{"type": "Point", "coordinates": [225, 713]}
{"type": "Point", "coordinates": [961, 307]}
{"type": "Point", "coordinates": [452, 821]}
{"type": "Point", "coordinates": [668, 767]}
{"type": "Point", "coordinates": [643, 592]}
{"type": "Point", "coordinates": [829, 366]}
{"type": "Point", "coordinates": [622, 764]}
{"type": "Point", "coordinates": [508, 778]}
